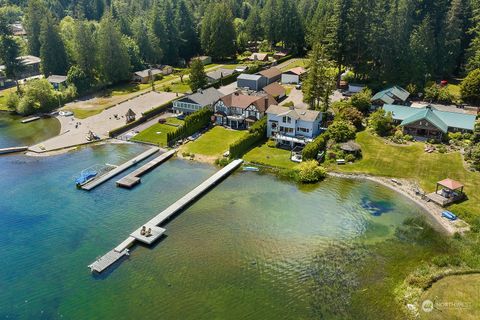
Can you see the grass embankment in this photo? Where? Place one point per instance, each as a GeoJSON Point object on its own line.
{"type": "Point", "coordinates": [411, 162]}
{"type": "Point", "coordinates": [297, 63]}
{"type": "Point", "coordinates": [270, 156]}
{"type": "Point", "coordinates": [454, 297]}
{"type": "Point", "coordinates": [213, 143]}
{"type": "Point", "coordinates": [157, 134]}
{"type": "Point", "coordinates": [3, 98]}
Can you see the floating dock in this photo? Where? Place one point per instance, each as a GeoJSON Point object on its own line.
{"type": "Point", "coordinates": [154, 224]}
{"type": "Point", "coordinates": [13, 150]}
{"type": "Point", "coordinates": [30, 119]}
{"type": "Point", "coordinates": [132, 179]}
{"type": "Point", "coordinates": [107, 176]}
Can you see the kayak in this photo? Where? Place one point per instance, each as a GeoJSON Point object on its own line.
{"type": "Point", "coordinates": [449, 215]}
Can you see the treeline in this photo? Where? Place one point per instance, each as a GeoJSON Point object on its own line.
{"type": "Point", "coordinates": [393, 41]}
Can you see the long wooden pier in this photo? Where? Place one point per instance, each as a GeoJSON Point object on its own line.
{"type": "Point", "coordinates": [13, 150]}
{"type": "Point", "coordinates": [133, 178]}
{"type": "Point", "coordinates": [30, 119]}
{"type": "Point", "coordinates": [103, 178]}
{"type": "Point", "coordinates": [154, 223]}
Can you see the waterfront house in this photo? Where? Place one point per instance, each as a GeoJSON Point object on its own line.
{"type": "Point", "coordinates": [196, 101]}
{"type": "Point", "coordinates": [31, 66]}
{"type": "Point", "coordinates": [147, 75]}
{"type": "Point", "coordinates": [258, 57]}
{"type": "Point", "coordinates": [57, 81]}
{"type": "Point", "coordinates": [271, 75]}
{"type": "Point", "coordinates": [253, 82]}
{"type": "Point", "coordinates": [239, 110]}
{"type": "Point", "coordinates": [291, 126]}
{"type": "Point", "coordinates": [293, 75]}
{"type": "Point", "coordinates": [276, 90]}
{"type": "Point", "coordinates": [394, 95]}
{"type": "Point", "coordinates": [216, 75]}
{"type": "Point", "coordinates": [428, 122]}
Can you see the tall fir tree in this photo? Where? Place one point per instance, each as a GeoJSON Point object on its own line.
{"type": "Point", "coordinates": [35, 12]}
{"type": "Point", "coordinates": [188, 42]}
{"type": "Point", "coordinates": [197, 78]}
{"type": "Point", "coordinates": [218, 32]}
{"type": "Point", "coordinates": [52, 48]}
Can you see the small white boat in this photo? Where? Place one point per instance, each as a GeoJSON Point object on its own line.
{"type": "Point", "coordinates": [253, 169]}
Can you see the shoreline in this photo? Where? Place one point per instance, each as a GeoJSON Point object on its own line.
{"type": "Point", "coordinates": [405, 188]}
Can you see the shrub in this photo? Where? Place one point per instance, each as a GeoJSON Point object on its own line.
{"type": "Point", "coordinates": [312, 149]}
{"type": "Point", "coordinates": [438, 94]}
{"type": "Point", "coordinates": [362, 100]}
{"type": "Point", "coordinates": [408, 137]}
{"type": "Point", "coordinates": [310, 172]}
{"type": "Point", "coordinates": [193, 123]}
{"type": "Point", "coordinates": [470, 87]}
{"type": "Point", "coordinates": [256, 133]}
{"type": "Point", "coordinates": [442, 149]}
{"type": "Point", "coordinates": [222, 162]}
{"type": "Point", "coordinates": [341, 131]}
{"type": "Point", "coordinates": [12, 101]}
{"type": "Point", "coordinates": [353, 115]}
{"type": "Point", "coordinates": [381, 122]}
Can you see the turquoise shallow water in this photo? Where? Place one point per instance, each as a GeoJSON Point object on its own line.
{"type": "Point", "coordinates": [13, 133]}
{"type": "Point", "coordinates": [243, 251]}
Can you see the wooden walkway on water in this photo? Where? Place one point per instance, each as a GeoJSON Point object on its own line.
{"type": "Point", "coordinates": [13, 150]}
{"type": "Point", "coordinates": [110, 174]}
{"type": "Point", "coordinates": [163, 216]}
{"type": "Point", "coordinates": [133, 178]}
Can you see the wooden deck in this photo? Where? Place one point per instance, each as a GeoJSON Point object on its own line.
{"type": "Point", "coordinates": [107, 260]}
{"type": "Point", "coordinates": [163, 216]}
{"type": "Point", "coordinates": [133, 178]}
{"type": "Point", "coordinates": [13, 150]}
{"type": "Point", "coordinates": [107, 176]}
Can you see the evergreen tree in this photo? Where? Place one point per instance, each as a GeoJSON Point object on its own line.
{"type": "Point", "coordinates": [148, 43]}
{"type": "Point", "coordinates": [52, 49]}
{"type": "Point", "coordinates": [218, 33]}
{"type": "Point", "coordinates": [170, 38]}
{"type": "Point", "coordinates": [85, 47]}
{"type": "Point", "coordinates": [9, 52]}
{"type": "Point", "coordinates": [113, 58]}
{"type": "Point", "coordinates": [253, 25]}
{"type": "Point", "coordinates": [320, 81]}
{"type": "Point", "coordinates": [34, 14]}
{"type": "Point", "coordinates": [197, 77]}
{"type": "Point", "coordinates": [188, 42]}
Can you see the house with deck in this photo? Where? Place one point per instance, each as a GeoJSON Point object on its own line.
{"type": "Point", "coordinates": [193, 102]}
{"type": "Point", "coordinates": [394, 95]}
{"type": "Point", "coordinates": [428, 122]}
{"type": "Point", "coordinates": [239, 110]}
{"type": "Point", "coordinates": [291, 126]}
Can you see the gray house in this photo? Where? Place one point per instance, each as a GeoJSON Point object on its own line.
{"type": "Point", "coordinates": [214, 76]}
{"type": "Point", "coordinates": [271, 75]}
{"type": "Point", "coordinates": [196, 101]}
{"type": "Point", "coordinates": [254, 82]}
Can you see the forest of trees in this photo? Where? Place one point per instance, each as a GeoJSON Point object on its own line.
{"type": "Point", "coordinates": [385, 41]}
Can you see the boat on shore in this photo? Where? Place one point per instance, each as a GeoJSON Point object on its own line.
{"type": "Point", "coordinates": [252, 169]}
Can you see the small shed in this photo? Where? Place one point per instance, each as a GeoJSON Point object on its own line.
{"type": "Point", "coordinates": [258, 57]}
{"type": "Point", "coordinates": [130, 116]}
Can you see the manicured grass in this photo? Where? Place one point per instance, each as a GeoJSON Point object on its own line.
{"type": "Point", "coordinates": [157, 134]}
{"type": "Point", "coordinates": [296, 63]}
{"type": "Point", "coordinates": [269, 156]}
{"type": "Point", "coordinates": [3, 97]}
{"type": "Point", "coordinates": [214, 142]}
{"type": "Point", "coordinates": [175, 86]}
{"type": "Point", "coordinates": [85, 113]}
{"type": "Point", "coordinates": [455, 297]}
{"type": "Point", "coordinates": [380, 158]}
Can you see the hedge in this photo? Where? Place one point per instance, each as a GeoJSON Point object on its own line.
{"type": "Point", "coordinates": [311, 150]}
{"type": "Point", "coordinates": [145, 116]}
{"type": "Point", "coordinates": [193, 123]}
{"type": "Point", "coordinates": [256, 133]}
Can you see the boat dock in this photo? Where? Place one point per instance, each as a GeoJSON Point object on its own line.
{"type": "Point", "coordinates": [13, 150]}
{"type": "Point", "coordinates": [132, 179]}
{"type": "Point", "coordinates": [154, 224]}
{"type": "Point", "coordinates": [30, 119]}
{"type": "Point", "coordinates": [107, 176]}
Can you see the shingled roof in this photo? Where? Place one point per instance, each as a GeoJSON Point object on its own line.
{"type": "Point", "coordinates": [241, 100]}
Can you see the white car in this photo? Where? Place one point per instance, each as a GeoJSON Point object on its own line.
{"type": "Point", "coordinates": [65, 113]}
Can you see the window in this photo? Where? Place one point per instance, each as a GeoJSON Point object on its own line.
{"type": "Point", "coordinates": [287, 119]}
{"type": "Point", "coordinates": [303, 130]}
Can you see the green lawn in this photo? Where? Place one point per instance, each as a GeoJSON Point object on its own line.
{"type": "Point", "coordinates": [456, 297]}
{"type": "Point", "coordinates": [214, 142]}
{"type": "Point", "coordinates": [269, 156]}
{"type": "Point", "coordinates": [297, 63]}
{"type": "Point", "coordinates": [157, 134]}
{"type": "Point", "coordinates": [380, 158]}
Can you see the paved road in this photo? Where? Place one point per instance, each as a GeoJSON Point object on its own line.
{"type": "Point", "coordinates": [73, 134]}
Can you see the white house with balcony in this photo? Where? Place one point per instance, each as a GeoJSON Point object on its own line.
{"type": "Point", "coordinates": [291, 126]}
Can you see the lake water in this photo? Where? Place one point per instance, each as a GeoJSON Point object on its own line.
{"type": "Point", "coordinates": [243, 251]}
{"type": "Point", "coordinates": [13, 133]}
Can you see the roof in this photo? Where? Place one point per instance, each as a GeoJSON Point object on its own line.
{"type": "Point", "coordinates": [391, 94]}
{"type": "Point", "coordinates": [204, 97]}
{"type": "Point", "coordinates": [56, 78]}
{"type": "Point", "coordinates": [145, 73]}
{"type": "Point", "coordinates": [298, 71]}
{"type": "Point", "coordinates": [28, 60]}
{"type": "Point", "coordinates": [258, 56]}
{"type": "Point", "coordinates": [450, 184]}
{"type": "Point", "coordinates": [451, 119]}
{"type": "Point", "coordinates": [220, 73]}
{"type": "Point", "coordinates": [350, 146]}
{"type": "Point", "coordinates": [203, 58]}
{"type": "Point", "coordinates": [246, 76]}
{"type": "Point", "coordinates": [241, 100]}
{"type": "Point", "coordinates": [271, 72]}
{"type": "Point", "coordinates": [275, 89]}
{"type": "Point", "coordinates": [295, 113]}
{"type": "Point", "coordinates": [430, 116]}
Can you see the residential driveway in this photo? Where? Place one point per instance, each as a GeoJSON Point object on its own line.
{"type": "Point", "coordinates": [74, 131]}
{"type": "Point", "coordinates": [228, 89]}
{"type": "Point", "coordinates": [296, 96]}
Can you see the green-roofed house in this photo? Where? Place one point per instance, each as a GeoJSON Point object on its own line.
{"type": "Point", "coordinates": [428, 122]}
{"type": "Point", "coordinates": [394, 95]}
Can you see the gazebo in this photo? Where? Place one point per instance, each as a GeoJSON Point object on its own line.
{"type": "Point", "coordinates": [350, 147]}
{"type": "Point", "coordinates": [130, 115]}
{"type": "Point", "coordinates": [447, 191]}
